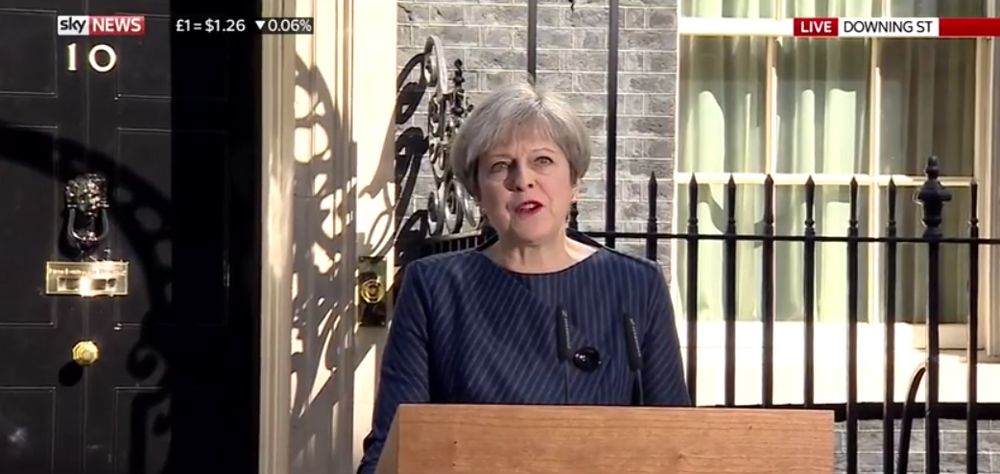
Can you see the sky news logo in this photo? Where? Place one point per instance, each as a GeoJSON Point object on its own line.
{"type": "Point", "coordinates": [100, 25]}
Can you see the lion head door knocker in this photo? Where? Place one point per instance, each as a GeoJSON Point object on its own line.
{"type": "Point", "coordinates": [86, 228]}
{"type": "Point", "coordinates": [87, 205]}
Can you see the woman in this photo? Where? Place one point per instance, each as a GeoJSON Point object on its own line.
{"type": "Point", "coordinates": [486, 325]}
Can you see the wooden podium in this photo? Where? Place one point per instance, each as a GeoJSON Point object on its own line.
{"type": "Point", "coordinates": [504, 439]}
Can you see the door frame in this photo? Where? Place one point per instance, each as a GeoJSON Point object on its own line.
{"type": "Point", "coordinates": [277, 181]}
{"type": "Point", "coordinates": [339, 26]}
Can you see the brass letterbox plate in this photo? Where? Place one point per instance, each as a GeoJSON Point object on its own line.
{"type": "Point", "coordinates": [86, 279]}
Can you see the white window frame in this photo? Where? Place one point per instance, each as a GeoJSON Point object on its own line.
{"type": "Point", "coordinates": [987, 89]}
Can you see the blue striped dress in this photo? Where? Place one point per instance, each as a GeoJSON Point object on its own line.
{"type": "Point", "coordinates": [466, 330]}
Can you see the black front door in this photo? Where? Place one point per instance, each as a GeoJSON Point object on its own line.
{"type": "Point", "coordinates": [159, 136]}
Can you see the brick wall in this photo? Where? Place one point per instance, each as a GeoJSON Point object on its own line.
{"type": "Point", "coordinates": [490, 37]}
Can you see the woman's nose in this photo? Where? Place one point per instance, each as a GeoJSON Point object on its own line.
{"type": "Point", "coordinates": [520, 178]}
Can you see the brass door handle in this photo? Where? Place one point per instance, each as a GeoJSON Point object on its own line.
{"type": "Point", "coordinates": [85, 353]}
{"type": "Point", "coordinates": [372, 291]}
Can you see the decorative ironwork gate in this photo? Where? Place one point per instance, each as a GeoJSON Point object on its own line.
{"type": "Point", "coordinates": [448, 210]}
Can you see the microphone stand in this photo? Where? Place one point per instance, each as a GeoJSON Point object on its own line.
{"type": "Point", "coordinates": [634, 356]}
{"type": "Point", "coordinates": [565, 348]}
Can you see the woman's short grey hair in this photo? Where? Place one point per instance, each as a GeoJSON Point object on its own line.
{"type": "Point", "coordinates": [503, 115]}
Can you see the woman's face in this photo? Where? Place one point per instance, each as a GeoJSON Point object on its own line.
{"type": "Point", "coordinates": [525, 188]}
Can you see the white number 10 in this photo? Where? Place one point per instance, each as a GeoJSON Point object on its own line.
{"type": "Point", "coordinates": [99, 66]}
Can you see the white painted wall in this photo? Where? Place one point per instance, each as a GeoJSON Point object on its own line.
{"type": "Point", "coordinates": [343, 98]}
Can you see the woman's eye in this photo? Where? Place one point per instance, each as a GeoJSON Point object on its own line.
{"type": "Point", "coordinates": [498, 166]}
{"type": "Point", "coordinates": [544, 160]}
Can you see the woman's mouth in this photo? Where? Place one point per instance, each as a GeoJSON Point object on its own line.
{"type": "Point", "coordinates": [528, 208]}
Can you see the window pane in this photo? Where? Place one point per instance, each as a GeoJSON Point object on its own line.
{"type": "Point", "coordinates": [729, 8]}
{"type": "Point", "coordinates": [721, 103]}
{"type": "Point", "coordinates": [823, 106]}
{"type": "Point", "coordinates": [711, 271]}
{"type": "Point", "coordinates": [911, 258]}
{"type": "Point", "coordinates": [838, 8]}
{"type": "Point", "coordinates": [928, 105]}
{"type": "Point", "coordinates": [936, 8]}
{"type": "Point", "coordinates": [832, 213]}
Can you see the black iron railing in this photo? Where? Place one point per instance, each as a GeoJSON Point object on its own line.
{"type": "Point", "coordinates": [932, 196]}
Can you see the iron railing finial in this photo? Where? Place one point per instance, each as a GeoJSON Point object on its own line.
{"type": "Point", "coordinates": [932, 196]}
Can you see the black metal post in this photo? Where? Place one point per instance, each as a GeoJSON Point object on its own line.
{"type": "Point", "coordinates": [611, 172]}
{"type": "Point", "coordinates": [767, 370]}
{"type": "Point", "coordinates": [888, 423]}
{"type": "Point", "coordinates": [532, 40]}
{"type": "Point", "coordinates": [972, 351]}
{"type": "Point", "coordinates": [809, 293]}
{"type": "Point", "coordinates": [932, 196]}
{"type": "Point", "coordinates": [651, 227]}
{"type": "Point", "coordinates": [852, 333]}
{"type": "Point", "coordinates": [692, 293]}
{"type": "Point", "coordinates": [729, 261]}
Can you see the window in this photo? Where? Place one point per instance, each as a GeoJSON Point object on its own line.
{"type": "Point", "coordinates": [753, 102]}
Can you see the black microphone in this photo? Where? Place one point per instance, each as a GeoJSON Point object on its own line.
{"type": "Point", "coordinates": [634, 354]}
{"type": "Point", "coordinates": [564, 348]}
